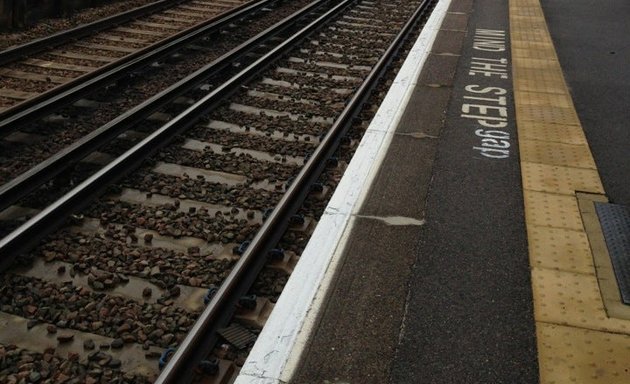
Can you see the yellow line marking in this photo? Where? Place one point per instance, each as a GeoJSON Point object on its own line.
{"type": "Point", "coordinates": [580, 339]}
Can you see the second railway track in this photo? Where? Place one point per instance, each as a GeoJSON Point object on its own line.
{"type": "Point", "coordinates": [35, 68]}
{"type": "Point", "coordinates": [29, 144]}
{"type": "Point", "coordinates": [101, 298]}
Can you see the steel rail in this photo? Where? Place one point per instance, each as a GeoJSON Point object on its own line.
{"type": "Point", "coordinates": [202, 337]}
{"type": "Point", "coordinates": [12, 54]}
{"type": "Point", "coordinates": [25, 237]}
{"type": "Point", "coordinates": [57, 97]}
{"type": "Point", "coordinates": [198, 343]}
{"type": "Point", "coordinates": [18, 187]}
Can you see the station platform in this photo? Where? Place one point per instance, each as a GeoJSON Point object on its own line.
{"type": "Point", "coordinates": [465, 244]}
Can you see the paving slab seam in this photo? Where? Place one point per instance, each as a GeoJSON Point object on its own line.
{"type": "Point", "coordinates": [578, 340]}
{"type": "Point", "coordinates": [583, 328]}
{"type": "Point", "coordinates": [277, 352]}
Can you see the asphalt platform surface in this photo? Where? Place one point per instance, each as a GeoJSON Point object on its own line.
{"type": "Point", "coordinates": [592, 41]}
{"type": "Point", "coordinates": [449, 300]}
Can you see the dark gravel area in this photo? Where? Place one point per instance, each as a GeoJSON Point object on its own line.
{"type": "Point", "coordinates": [292, 105]}
{"type": "Point", "coordinates": [20, 365]}
{"type": "Point", "coordinates": [244, 164]}
{"type": "Point", "coordinates": [116, 252]}
{"type": "Point", "coordinates": [269, 284]}
{"type": "Point", "coordinates": [185, 187]}
{"type": "Point", "coordinates": [270, 123]}
{"type": "Point", "coordinates": [44, 71]}
{"type": "Point", "coordinates": [281, 147]}
{"type": "Point", "coordinates": [46, 27]}
{"type": "Point", "coordinates": [167, 220]}
{"type": "Point", "coordinates": [319, 81]}
{"type": "Point", "coordinates": [306, 92]}
{"type": "Point", "coordinates": [67, 306]}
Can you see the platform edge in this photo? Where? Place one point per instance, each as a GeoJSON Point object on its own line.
{"type": "Point", "coordinates": [276, 354]}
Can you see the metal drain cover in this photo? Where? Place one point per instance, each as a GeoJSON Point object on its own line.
{"type": "Point", "coordinates": [615, 222]}
{"type": "Point", "coordinates": [238, 336]}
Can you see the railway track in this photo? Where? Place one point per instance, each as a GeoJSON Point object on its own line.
{"type": "Point", "coordinates": [37, 67]}
{"type": "Point", "coordinates": [195, 203]}
{"type": "Point", "coordinates": [29, 144]}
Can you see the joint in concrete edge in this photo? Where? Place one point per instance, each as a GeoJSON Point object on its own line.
{"type": "Point", "coordinates": [294, 315]}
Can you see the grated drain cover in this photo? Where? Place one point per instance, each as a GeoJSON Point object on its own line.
{"type": "Point", "coordinates": [615, 222]}
{"type": "Point", "coordinates": [238, 336]}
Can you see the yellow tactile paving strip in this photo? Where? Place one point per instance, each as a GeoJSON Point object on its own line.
{"type": "Point", "coordinates": [579, 340]}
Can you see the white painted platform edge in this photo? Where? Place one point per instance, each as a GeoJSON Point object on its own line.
{"type": "Point", "coordinates": [279, 347]}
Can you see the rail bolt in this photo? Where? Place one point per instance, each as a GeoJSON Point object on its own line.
{"type": "Point", "coordinates": [297, 220]}
{"type": "Point", "coordinates": [248, 302]}
{"type": "Point", "coordinates": [241, 248]}
{"type": "Point", "coordinates": [209, 295]}
{"type": "Point", "coordinates": [317, 188]}
{"type": "Point", "coordinates": [166, 355]}
{"type": "Point", "coordinates": [209, 367]}
{"type": "Point", "coordinates": [276, 254]}
{"type": "Point", "coordinates": [267, 213]}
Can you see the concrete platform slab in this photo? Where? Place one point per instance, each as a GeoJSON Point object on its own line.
{"type": "Point", "coordinates": [427, 116]}
{"type": "Point", "coordinates": [369, 295]}
{"type": "Point", "coordinates": [401, 186]}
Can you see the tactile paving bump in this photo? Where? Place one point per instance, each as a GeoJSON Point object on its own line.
{"type": "Point", "coordinates": [573, 299]}
{"type": "Point", "coordinates": [567, 134]}
{"type": "Point", "coordinates": [524, 84]}
{"type": "Point", "coordinates": [566, 155]}
{"type": "Point", "coordinates": [560, 249]}
{"type": "Point", "coordinates": [561, 180]}
{"type": "Point", "coordinates": [536, 54]}
{"type": "Point", "coordinates": [582, 356]}
{"type": "Point", "coordinates": [547, 113]}
{"type": "Point", "coordinates": [537, 35]}
{"type": "Point", "coordinates": [548, 100]}
{"type": "Point", "coordinates": [540, 64]}
{"type": "Point", "coordinates": [552, 210]}
{"type": "Point", "coordinates": [615, 223]}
